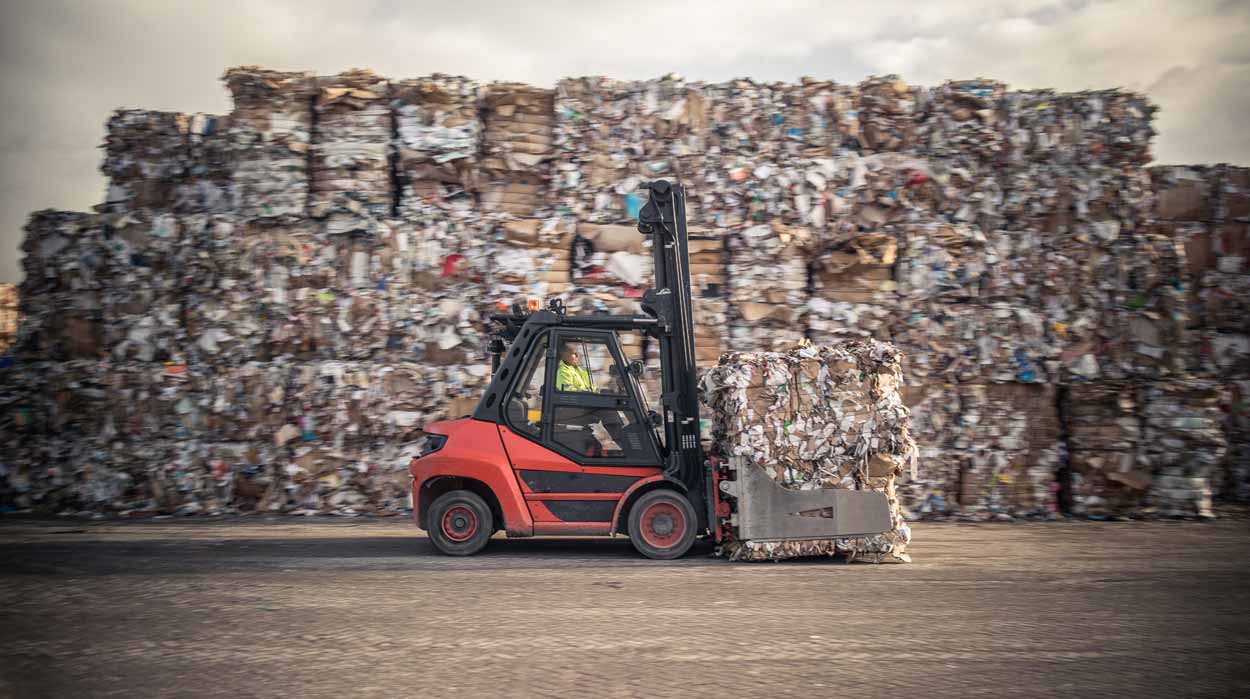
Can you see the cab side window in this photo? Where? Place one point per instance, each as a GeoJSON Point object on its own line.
{"type": "Point", "coordinates": [525, 403]}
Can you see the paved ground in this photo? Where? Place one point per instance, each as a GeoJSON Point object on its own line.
{"type": "Point", "coordinates": [319, 608]}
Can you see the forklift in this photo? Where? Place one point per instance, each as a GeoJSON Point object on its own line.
{"type": "Point", "coordinates": [563, 442]}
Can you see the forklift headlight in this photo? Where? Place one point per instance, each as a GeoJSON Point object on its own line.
{"type": "Point", "coordinates": [433, 442]}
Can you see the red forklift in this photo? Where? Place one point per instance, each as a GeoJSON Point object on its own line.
{"type": "Point", "coordinates": [563, 442]}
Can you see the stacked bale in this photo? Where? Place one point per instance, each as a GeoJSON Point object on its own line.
{"type": "Point", "coordinates": [146, 158]}
{"type": "Point", "coordinates": [270, 134]}
{"type": "Point", "coordinates": [532, 263]}
{"type": "Point", "coordinates": [1009, 436]}
{"type": "Point", "coordinates": [1001, 239]}
{"type": "Point", "coordinates": [517, 143]}
{"type": "Point", "coordinates": [209, 187]}
{"type": "Point", "coordinates": [8, 315]}
{"type": "Point", "coordinates": [1183, 444]}
{"type": "Point", "coordinates": [934, 489]}
{"type": "Point", "coordinates": [1204, 214]}
{"type": "Point", "coordinates": [853, 290]}
{"type": "Point", "coordinates": [64, 274]}
{"type": "Point", "coordinates": [1104, 437]}
{"type": "Point", "coordinates": [612, 136]}
{"type": "Point", "coordinates": [709, 281]}
{"type": "Point", "coordinates": [351, 145]}
{"type": "Point", "coordinates": [438, 134]}
{"type": "Point", "coordinates": [886, 113]}
{"type": "Point", "coordinates": [768, 287]}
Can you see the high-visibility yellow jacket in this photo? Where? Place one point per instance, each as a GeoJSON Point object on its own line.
{"type": "Point", "coordinates": [573, 378]}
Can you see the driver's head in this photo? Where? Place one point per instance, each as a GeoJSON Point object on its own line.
{"type": "Point", "coordinates": [569, 355]}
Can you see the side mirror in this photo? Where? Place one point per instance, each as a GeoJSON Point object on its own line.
{"type": "Point", "coordinates": [655, 418]}
{"type": "Point", "coordinates": [637, 369]}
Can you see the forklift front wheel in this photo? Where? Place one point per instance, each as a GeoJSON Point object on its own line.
{"type": "Point", "coordinates": [661, 524]}
{"type": "Point", "coordinates": [460, 523]}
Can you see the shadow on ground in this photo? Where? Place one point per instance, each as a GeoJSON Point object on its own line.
{"type": "Point", "coordinates": [171, 556]}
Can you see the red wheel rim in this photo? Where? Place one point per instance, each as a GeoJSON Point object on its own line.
{"type": "Point", "coordinates": [663, 525]}
{"type": "Point", "coordinates": [459, 523]}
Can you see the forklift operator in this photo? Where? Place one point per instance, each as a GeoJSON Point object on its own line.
{"type": "Point", "coordinates": [571, 375]}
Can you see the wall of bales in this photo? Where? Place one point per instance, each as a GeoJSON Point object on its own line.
{"type": "Point", "coordinates": [269, 304]}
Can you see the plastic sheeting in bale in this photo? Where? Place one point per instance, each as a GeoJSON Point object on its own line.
{"type": "Point", "coordinates": [816, 418]}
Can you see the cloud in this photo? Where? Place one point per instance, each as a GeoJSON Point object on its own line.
{"type": "Point", "coordinates": [65, 65]}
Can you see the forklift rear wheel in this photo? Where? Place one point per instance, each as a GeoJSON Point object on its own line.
{"type": "Point", "coordinates": [460, 523]}
{"type": "Point", "coordinates": [661, 524]}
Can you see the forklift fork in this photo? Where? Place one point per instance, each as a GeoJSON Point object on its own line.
{"type": "Point", "coordinates": [767, 511]}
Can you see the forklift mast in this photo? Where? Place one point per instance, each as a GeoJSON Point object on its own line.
{"type": "Point", "coordinates": [670, 303]}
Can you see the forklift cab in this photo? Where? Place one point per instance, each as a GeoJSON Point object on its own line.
{"type": "Point", "coordinates": [576, 397]}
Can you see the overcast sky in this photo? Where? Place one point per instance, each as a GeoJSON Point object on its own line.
{"type": "Point", "coordinates": [67, 64]}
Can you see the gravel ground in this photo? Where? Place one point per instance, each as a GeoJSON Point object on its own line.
{"type": "Point", "coordinates": [282, 607]}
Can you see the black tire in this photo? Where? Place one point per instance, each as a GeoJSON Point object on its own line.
{"type": "Point", "coordinates": [662, 524]}
{"type": "Point", "coordinates": [459, 523]}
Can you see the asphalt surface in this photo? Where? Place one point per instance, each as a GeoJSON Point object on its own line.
{"type": "Point", "coordinates": [311, 608]}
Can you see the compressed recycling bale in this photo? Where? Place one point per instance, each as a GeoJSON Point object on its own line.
{"type": "Point", "coordinates": [857, 268]}
{"type": "Point", "coordinates": [768, 287]}
{"type": "Point", "coordinates": [209, 186]}
{"type": "Point", "coordinates": [517, 137]}
{"type": "Point", "coordinates": [1104, 436]}
{"type": "Point", "coordinates": [816, 418]}
{"type": "Point", "coordinates": [146, 159]}
{"type": "Point", "coordinates": [611, 136]}
{"type": "Point", "coordinates": [142, 305]}
{"type": "Point", "coordinates": [964, 343]}
{"type": "Point", "coordinates": [1183, 193]}
{"type": "Point", "coordinates": [1232, 185]}
{"type": "Point", "coordinates": [933, 490]}
{"type": "Point", "coordinates": [270, 134]}
{"type": "Point", "coordinates": [1233, 484]}
{"type": "Point", "coordinates": [886, 114]}
{"type": "Point", "coordinates": [1116, 126]}
{"type": "Point", "coordinates": [350, 167]}
{"type": "Point", "coordinates": [1010, 434]}
{"type": "Point", "coordinates": [1183, 443]}
{"type": "Point", "coordinates": [709, 277]}
{"type": "Point", "coordinates": [828, 114]}
{"type": "Point", "coordinates": [9, 315]}
{"type": "Point", "coordinates": [1223, 301]}
{"type": "Point", "coordinates": [64, 275]}
{"type": "Point", "coordinates": [964, 118]}
{"type": "Point", "coordinates": [438, 131]}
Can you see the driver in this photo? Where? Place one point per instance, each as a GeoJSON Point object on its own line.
{"type": "Point", "coordinates": [570, 374]}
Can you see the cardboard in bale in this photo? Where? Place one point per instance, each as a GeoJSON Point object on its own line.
{"type": "Point", "coordinates": [816, 418]}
